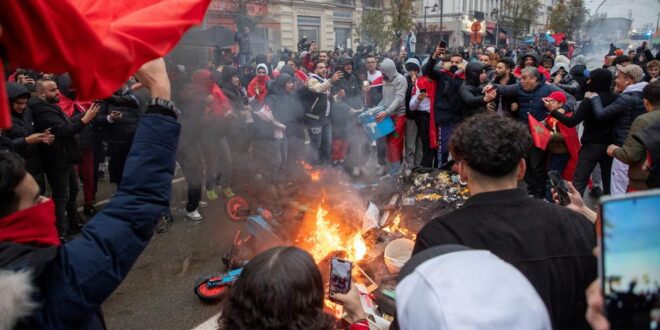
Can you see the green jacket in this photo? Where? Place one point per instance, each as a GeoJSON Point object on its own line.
{"type": "Point", "coordinates": [633, 153]}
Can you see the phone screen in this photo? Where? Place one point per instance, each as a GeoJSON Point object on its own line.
{"type": "Point", "coordinates": [630, 260]}
{"type": "Point", "coordinates": [340, 275]}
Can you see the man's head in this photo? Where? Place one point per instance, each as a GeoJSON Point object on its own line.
{"type": "Point", "coordinates": [456, 59]}
{"type": "Point", "coordinates": [622, 60]}
{"type": "Point", "coordinates": [18, 189]}
{"type": "Point", "coordinates": [529, 78]}
{"type": "Point", "coordinates": [653, 68]}
{"type": "Point", "coordinates": [294, 64]}
{"type": "Point", "coordinates": [504, 67]}
{"type": "Point", "coordinates": [484, 58]}
{"type": "Point", "coordinates": [18, 97]}
{"type": "Point", "coordinates": [651, 94]}
{"type": "Point", "coordinates": [627, 75]}
{"type": "Point", "coordinates": [529, 60]}
{"type": "Point", "coordinates": [372, 62]}
{"type": "Point", "coordinates": [47, 90]}
{"type": "Point", "coordinates": [261, 70]}
{"type": "Point", "coordinates": [489, 149]}
{"type": "Point", "coordinates": [555, 100]}
{"type": "Point", "coordinates": [323, 57]}
{"type": "Point", "coordinates": [320, 69]}
{"type": "Point", "coordinates": [548, 63]}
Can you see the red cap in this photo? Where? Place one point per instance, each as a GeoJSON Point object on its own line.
{"type": "Point", "coordinates": [558, 96]}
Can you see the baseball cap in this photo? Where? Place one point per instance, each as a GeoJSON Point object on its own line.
{"type": "Point", "coordinates": [633, 70]}
{"type": "Point", "coordinates": [456, 287]}
{"type": "Point", "coordinates": [558, 96]}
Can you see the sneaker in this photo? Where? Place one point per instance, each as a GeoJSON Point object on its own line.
{"type": "Point", "coordinates": [228, 192]}
{"type": "Point", "coordinates": [194, 216]}
{"type": "Point", "coordinates": [164, 224]}
{"type": "Point", "coordinates": [211, 194]}
{"type": "Point", "coordinates": [203, 204]}
{"type": "Point", "coordinates": [356, 171]}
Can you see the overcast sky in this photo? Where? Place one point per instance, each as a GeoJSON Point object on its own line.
{"type": "Point", "coordinates": [643, 11]}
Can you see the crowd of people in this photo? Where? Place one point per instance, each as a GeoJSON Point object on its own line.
{"type": "Point", "coordinates": [504, 121]}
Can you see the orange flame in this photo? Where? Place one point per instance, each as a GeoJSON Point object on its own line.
{"type": "Point", "coordinates": [395, 227]}
{"type": "Point", "coordinates": [325, 237]}
{"type": "Point", "coordinates": [314, 175]}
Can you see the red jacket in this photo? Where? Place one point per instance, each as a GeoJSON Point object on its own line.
{"type": "Point", "coordinates": [424, 82]}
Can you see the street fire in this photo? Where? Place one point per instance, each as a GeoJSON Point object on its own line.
{"type": "Point", "coordinates": [395, 227]}
{"type": "Point", "coordinates": [323, 236]}
{"type": "Point", "coordinates": [314, 174]}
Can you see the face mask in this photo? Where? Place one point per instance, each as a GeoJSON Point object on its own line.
{"type": "Point", "coordinates": [453, 68]}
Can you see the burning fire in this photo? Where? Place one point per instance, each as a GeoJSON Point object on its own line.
{"type": "Point", "coordinates": [394, 228]}
{"type": "Point", "coordinates": [325, 236]}
{"type": "Point", "coordinates": [314, 175]}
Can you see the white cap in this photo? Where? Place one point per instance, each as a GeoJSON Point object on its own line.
{"type": "Point", "coordinates": [468, 289]}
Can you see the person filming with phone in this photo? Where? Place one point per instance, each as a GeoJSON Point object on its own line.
{"type": "Point", "coordinates": [551, 245]}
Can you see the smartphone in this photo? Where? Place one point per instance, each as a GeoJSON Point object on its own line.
{"type": "Point", "coordinates": [559, 185]}
{"type": "Point", "coordinates": [629, 265]}
{"type": "Point", "coordinates": [340, 275]}
{"type": "Point", "coordinates": [422, 90]}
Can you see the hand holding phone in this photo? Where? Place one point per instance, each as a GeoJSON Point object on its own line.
{"type": "Point", "coordinates": [559, 185]}
{"type": "Point", "coordinates": [340, 276]}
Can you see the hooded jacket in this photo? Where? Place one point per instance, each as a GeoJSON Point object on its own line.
{"type": "Point", "coordinates": [580, 73]}
{"type": "Point", "coordinates": [394, 89]}
{"type": "Point", "coordinates": [567, 83]}
{"type": "Point", "coordinates": [70, 282]}
{"type": "Point", "coordinates": [623, 111]}
{"type": "Point", "coordinates": [470, 91]}
{"type": "Point", "coordinates": [518, 71]}
{"type": "Point", "coordinates": [235, 94]}
{"type": "Point", "coordinates": [64, 151]}
{"type": "Point", "coordinates": [22, 127]}
{"type": "Point", "coordinates": [259, 81]}
{"type": "Point", "coordinates": [285, 107]}
{"type": "Point", "coordinates": [595, 131]}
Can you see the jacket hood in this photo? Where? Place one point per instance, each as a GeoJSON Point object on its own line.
{"type": "Point", "coordinates": [388, 68]}
{"type": "Point", "coordinates": [562, 59]}
{"type": "Point", "coordinates": [14, 90]}
{"type": "Point", "coordinates": [600, 81]}
{"type": "Point", "coordinates": [580, 60]}
{"type": "Point", "coordinates": [15, 301]}
{"type": "Point", "coordinates": [64, 83]}
{"type": "Point", "coordinates": [228, 72]}
{"type": "Point", "coordinates": [412, 63]}
{"type": "Point", "coordinates": [636, 87]}
{"type": "Point", "coordinates": [558, 66]}
{"type": "Point", "coordinates": [444, 289]}
{"type": "Point", "coordinates": [472, 72]}
{"type": "Point", "coordinates": [263, 66]}
{"type": "Point", "coordinates": [533, 55]}
{"type": "Point", "coordinates": [278, 85]}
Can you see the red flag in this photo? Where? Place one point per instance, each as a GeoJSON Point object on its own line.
{"type": "Point", "coordinates": [540, 134]}
{"type": "Point", "coordinates": [100, 43]}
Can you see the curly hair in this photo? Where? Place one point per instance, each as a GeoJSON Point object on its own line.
{"type": "Point", "coordinates": [281, 288]}
{"type": "Point", "coordinates": [490, 144]}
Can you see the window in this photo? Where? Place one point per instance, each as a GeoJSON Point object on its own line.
{"type": "Point", "coordinates": [376, 4]}
{"type": "Point", "coordinates": [311, 32]}
{"type": "Point", "coordinates": [345, 3]}
{"type": "Point", "coordinates": [342, 35]}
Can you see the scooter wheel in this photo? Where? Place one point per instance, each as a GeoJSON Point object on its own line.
{"type": "Point", "coordinates": [237, 209]}
{"type": "Point", "coordinates": [209, 295]}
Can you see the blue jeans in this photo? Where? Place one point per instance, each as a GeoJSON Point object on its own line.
{"type": "Point", "coordinates": [444, 132]}
{"type": "Point", "coordinates": [556, 162]}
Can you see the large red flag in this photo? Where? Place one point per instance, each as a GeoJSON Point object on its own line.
{"type": "Point", "coordinates": [100, 43]}
{"type": "Point", "coordinates": [540, 134]}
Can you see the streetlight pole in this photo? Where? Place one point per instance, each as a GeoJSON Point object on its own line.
{"type": "Point", "coordinates": [434, 8]}
{"type": "Point", "coordinates": [442, 37]}
{"type": "Point", "coordinates": [496, 14]}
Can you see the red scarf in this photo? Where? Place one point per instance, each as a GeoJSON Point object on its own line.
{"type": "Point", "coordinates": [261, 82]}
{"type": "Point", "coordinates": [34, 225]}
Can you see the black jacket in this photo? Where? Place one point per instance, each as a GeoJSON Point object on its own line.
{"type": "Point", "coordinates": [577, 72]}
{"type": "Point", "coordinates": [22, 126]}
{"type": "Point", "coordinates": [551, 245]}
{"type": "Point", "coordinates": [64, 151]}
{"type": "Point", "coordinates": [470, 91]}
{"type": "Point", "coordinates": [448, 104]}
{"type": "Point", "coordinates": [623, 111]}
{"type": "Point", "coordinates": [121, 131]}
{"type": "Point", "coordinates": [506, 101]}
{"type": "Point", "coordinates": [285, 107]}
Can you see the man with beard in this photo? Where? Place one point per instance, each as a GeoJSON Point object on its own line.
{"type": "Point", "coordinates": [24, 140]}
{"type": "Point", "coordinates": [505, 105]}
{"type": "Point", "coordinates": [59, 157]}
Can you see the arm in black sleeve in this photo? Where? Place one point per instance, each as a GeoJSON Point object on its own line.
{"type": "Point", "coordinates": [59, 127]}
{"type": "Point", "coordinates": [125, 100]}
{"type": "Point", "coordinates": [507, 90]}
{"type": "Point", "coordinates": [613, 110]}
{"type": "Point", "coordinates": [572, 121]}
{"type": "Point", "coordinates": [468, 98]}
{"type": "Point", "coordinates": [428, 69]}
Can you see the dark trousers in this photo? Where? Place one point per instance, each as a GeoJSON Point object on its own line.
{"type": "Point", "coordinates": [381, 151]}
{"type": "Point", "coordinates": [536, 175]}
{"type": "Point", "coordinates": [118, 153]}
{"type": "Point", "coordinates": [556, 162]}
{"type": "Point", "coordinates": [320, 138]}
{"type": "Point", "coordinates": [191, 163]}
{"type": "Point", "coordinates": [86, 172]}
{"type": "Point", "coordinates": [422, 121]}
{"type": "Point", "coordinates": [590, 155]}
{"type": "Point", "coordinates": [444, 133]}
{"type": "Point", "coordinates": [63, 182]}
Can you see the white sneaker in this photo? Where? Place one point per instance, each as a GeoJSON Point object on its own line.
{"type": "Point", "coordinates": [356, 171]}
{"type": "Point", "coordinates": [194, 216]}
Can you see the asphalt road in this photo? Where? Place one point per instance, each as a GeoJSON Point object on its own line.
{"type": "Point", "coordinates": [158, 292]}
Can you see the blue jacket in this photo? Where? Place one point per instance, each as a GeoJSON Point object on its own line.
{"type": "Point", "coordinates": [86, 271]}
{"type": "Point", "coordinates": [622, 111]}
{"type": "Point", "coordinates": [531, 102]}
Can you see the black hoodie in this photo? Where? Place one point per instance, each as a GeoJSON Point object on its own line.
{"type": "Point", "coordinates": [64, 151]}
{"type": "Point", "coordinates": [285, 107]}
{"type": "Point", "coordinates": [595, 131]}
{"type": "Point", "coordinates": [470, 91]}
{"type": "Point", "coordinates": [22, 126]}
{"type": "Point", "coordinates": [233, 93]}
